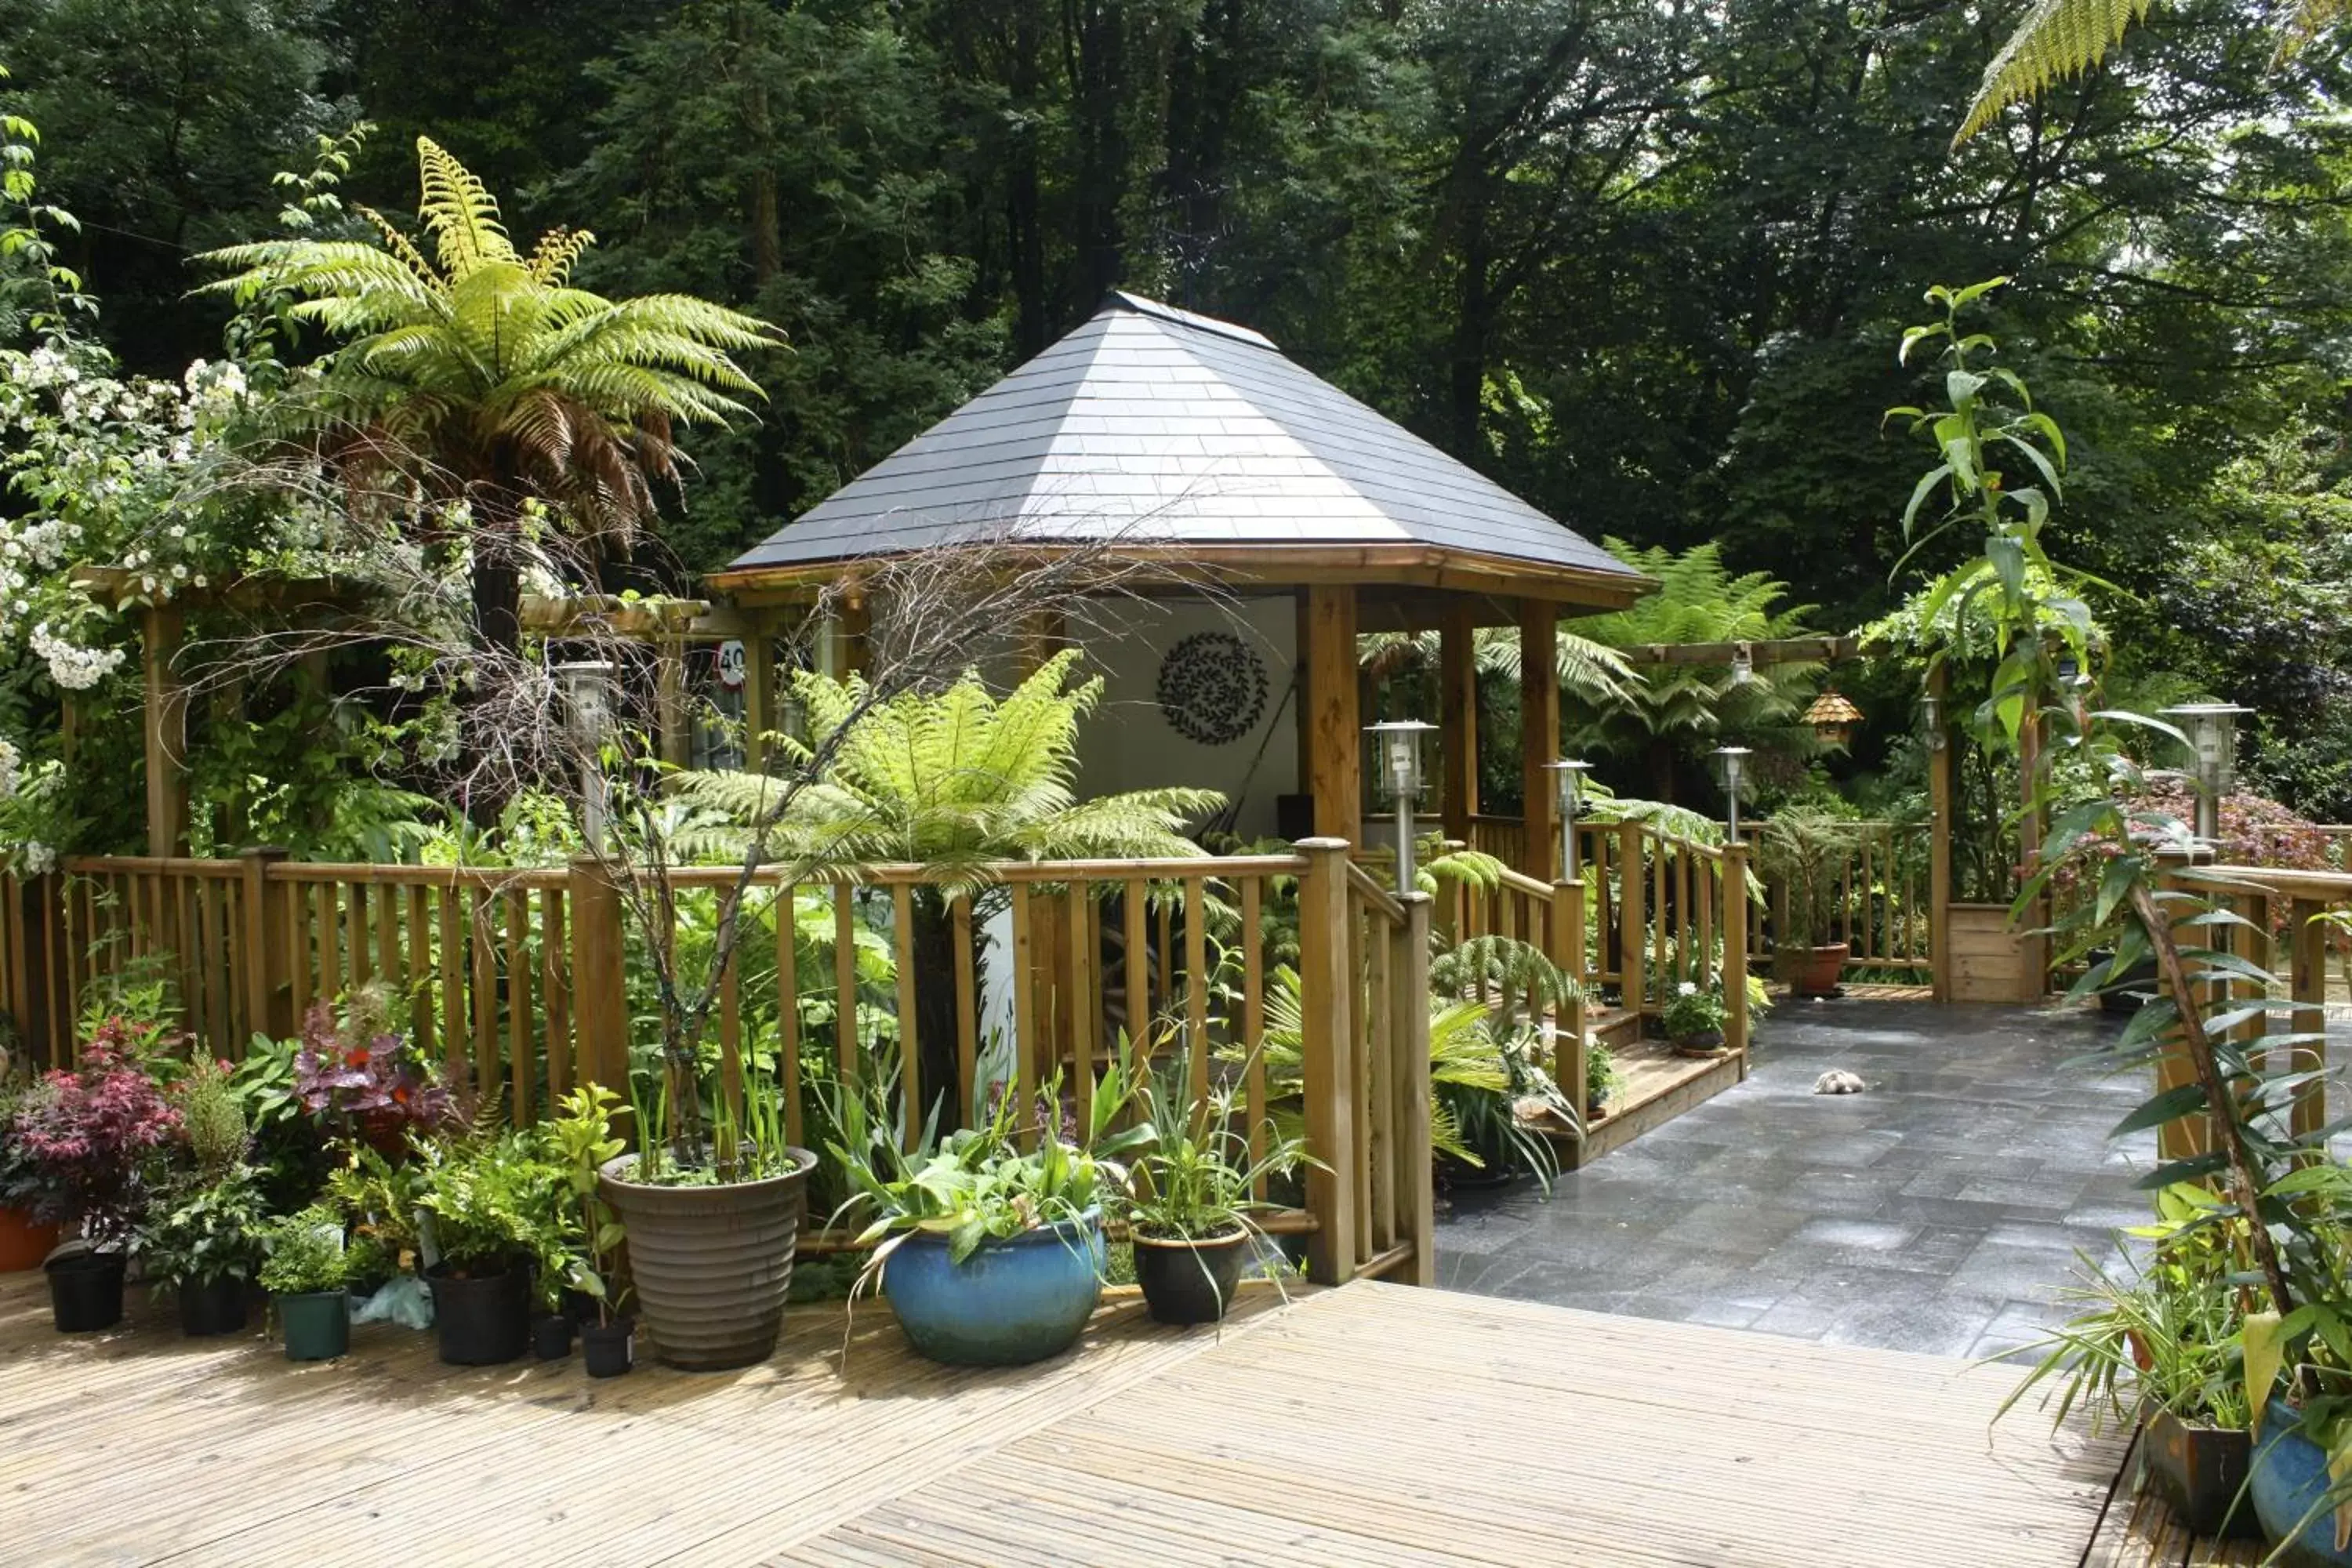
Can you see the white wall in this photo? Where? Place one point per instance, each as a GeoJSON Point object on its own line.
{"type": "Point", "coordinates": [1130, 744]}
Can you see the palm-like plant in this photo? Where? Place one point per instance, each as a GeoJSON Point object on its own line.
{"type": "Point", "coordinates": [952, 780]}
{"type": "Point", "coordinates": [483, 375]}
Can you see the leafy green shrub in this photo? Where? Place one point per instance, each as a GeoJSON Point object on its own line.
{"type": "Point", "coordinates": [306, 1254]}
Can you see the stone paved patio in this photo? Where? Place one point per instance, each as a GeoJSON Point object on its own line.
{"type": "Point", "coordinates": [1934, 1213]}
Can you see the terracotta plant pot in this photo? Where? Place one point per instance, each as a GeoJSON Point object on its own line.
{"type": "Point", "coordinates": [1812, 971]}
{"type": "Point", "coordinates": [1189, 1281]}
{"type": "Point", "coordinates": [712, 1263]}
{"type": "Point", "coordinates": [23, 1244]}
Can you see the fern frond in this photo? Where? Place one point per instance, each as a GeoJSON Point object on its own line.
{"type": "Point", "coordinates": [552, 258]}
{"type": "Point", "coordinates": [2054, 40]}
{"type": "Point", "coordinates": [458, 212]}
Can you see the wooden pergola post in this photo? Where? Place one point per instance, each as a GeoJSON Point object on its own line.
{"type": "Point", "coordinates": [1334, 721]}
{"type": "Point", "coordinates": [1538, 735]}
{"type": "Point", "coordinates": [166, 727]}
{"type": "Point", "coordinates": [1457, 717]}
{"type": "Point", "coordinates": [1941, 763]}
{"type": "Point", "coordinates": [2032, 948]}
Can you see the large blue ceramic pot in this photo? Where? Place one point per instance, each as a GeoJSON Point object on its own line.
{"type": "Point", "coordinates": [2290, 1477]}
{"type": "Point", "coordinates": [1011, 1302]}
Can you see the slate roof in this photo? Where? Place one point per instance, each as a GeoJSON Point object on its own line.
{"type": "Point", "coordinates": [1187, 431]}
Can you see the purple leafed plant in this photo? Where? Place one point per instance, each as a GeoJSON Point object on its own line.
{"type": "Point", "coordinates": [93, 1130]}
{"type": "Point", "coordinates": [366, 1080]}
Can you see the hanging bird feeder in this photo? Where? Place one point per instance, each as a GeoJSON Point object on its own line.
{"type": "Point", "coordinates": [1833, 718]}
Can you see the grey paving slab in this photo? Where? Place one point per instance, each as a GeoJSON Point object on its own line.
{"type": "Point", "coordinates": [1937, 1210]}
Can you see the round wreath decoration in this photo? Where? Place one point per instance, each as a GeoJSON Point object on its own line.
{"type": "Point", "coordinates": [1212, 688]}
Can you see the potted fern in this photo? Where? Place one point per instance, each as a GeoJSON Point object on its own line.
{"type": "Point", "coordinates": [496, 1208]}
{"type": "Point", "coordinates": [1802, 852]}
{"type": "Point", "coordinates": [1189, 1208]}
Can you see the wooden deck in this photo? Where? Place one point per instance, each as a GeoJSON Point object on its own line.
{"type": "Point", "coordinates": [1374, 1424]}
{"type": "Point", "coordinates": [2140, 1530]}
{"type": "Point", "coordinates": [1657, 1087]}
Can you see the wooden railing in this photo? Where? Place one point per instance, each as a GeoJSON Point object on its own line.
{"type": "Point", "coordinates": [2280, 909]}
{"type": "Point", "coordinates": [517, 980]}
{"type": "Point", "coordinates": [1881, 904]}
{"type": "Point", "coordinates": [1649, 911]}
{"type": "Point", "coordinates": [1504, 837]}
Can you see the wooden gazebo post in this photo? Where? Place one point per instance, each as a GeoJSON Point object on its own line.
{"type": "Point", "coordinates": [1334, 720]}
{"type": "Point", "coordinates": [1538, 735]}
{"type": "Point", "coordinates": [1457, 717]}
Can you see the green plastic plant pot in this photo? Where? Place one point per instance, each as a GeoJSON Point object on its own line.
{"type": "Point", "coordinates": [318, 1326]}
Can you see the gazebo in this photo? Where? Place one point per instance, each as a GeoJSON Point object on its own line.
{"type": "Point", "coordinates": [1193, 440]}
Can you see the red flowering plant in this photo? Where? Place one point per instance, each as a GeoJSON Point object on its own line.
{"type": "Point", "coordinates": [95, 1137]}
{"type": "Point", "coordinates": [2254, 831]}
{"type": "Point", "coordinates": [362, 1079]}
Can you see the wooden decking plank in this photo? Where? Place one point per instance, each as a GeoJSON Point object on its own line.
{"type": "Point", "coordinates": [1375, 1426]}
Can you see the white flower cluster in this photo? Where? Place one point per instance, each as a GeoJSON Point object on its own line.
{"type": "Point", "coordinates": [11, 763]}
{"type": "Point", "coordinates": [40, 859]}
{"type": "Point", "coordinates": [44, 367]}
{"type": "Point", "coordinates": [73, 667]}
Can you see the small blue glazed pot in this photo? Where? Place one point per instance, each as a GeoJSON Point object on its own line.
{"type": "Point", "coordinates": [2290, 1477]}
{"type": "Point", "coordinates": [1011, 1302]}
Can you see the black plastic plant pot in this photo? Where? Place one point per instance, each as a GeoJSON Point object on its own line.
{"type": "Point", "coordinates": [609, 1349]}
{"type": "Point", "coordinates": [551, 1336]}
{"type": "Point", "coordinates": [318, 1325]}
{"type": "Point", "coordinates": [211, 1307]}
{"type": "Point", "coordinates": [85, 1291]}
{"type": "Point", "coordinates": [1189, 1281]}
{"type": "Point", "coordinates": [482, 1319]}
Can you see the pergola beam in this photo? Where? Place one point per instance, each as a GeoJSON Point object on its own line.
{"type": "Point", "coordinates": [1761, 651]}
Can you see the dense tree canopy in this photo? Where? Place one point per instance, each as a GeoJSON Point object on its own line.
{"type": "Point", "coordinates": [1643, 264]}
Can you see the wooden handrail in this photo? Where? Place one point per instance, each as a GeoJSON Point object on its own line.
{"type": "Point", "coordinates": [503, 877]}
{"type": "Point", "coordinates": [1520, 883]}
{"type": "Point", "coordinates": [1372, 893]}
{"type": "Point", "coordinates": [2294, 882]}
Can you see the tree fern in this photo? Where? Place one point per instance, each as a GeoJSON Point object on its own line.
{"type": "Point", "coordinates": [2061, 39]}
{"type": "Point", "coordinates": [955, 779]}
{"type": "Point", "coordinates": [481, 375]}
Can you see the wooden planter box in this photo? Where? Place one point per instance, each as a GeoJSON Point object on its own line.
{"type": "Point", "coordinates": [1990, 961]}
